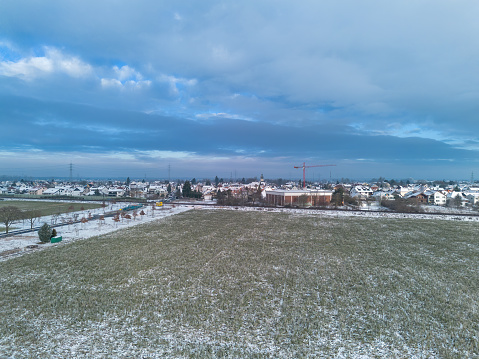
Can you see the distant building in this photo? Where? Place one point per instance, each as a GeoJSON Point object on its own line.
{"type": "Point", "coordinates": [473, 198]}
{"type": "Point", "coordinates": [36, 191]}
{"type": "Point", "coordinates": [52, 192]}
{"type": "Point", "coordinates": [362, 192]}
{"type": "Point", "coordinates": [313, 198]}
{"type": "Point", "coordinates": [116, 192]}
{"type": "Point", "coordinates": [386, 195]}
{"type": "Point", "coordinates": [437, 198]}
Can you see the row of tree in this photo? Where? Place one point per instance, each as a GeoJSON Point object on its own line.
{"type": "Point", "coordinates": [11, 214]}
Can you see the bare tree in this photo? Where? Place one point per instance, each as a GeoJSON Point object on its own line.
{"type": "Point", "coordinates": [55, 218]}
{"type": "Point", "coordinates": [116, 218]}
{"type": "Point", "coordinates": [303, 200]}
{"type": "Point", "coordinates": [32, 216]}
{"type": "Point", "coordinates": [8, 215]}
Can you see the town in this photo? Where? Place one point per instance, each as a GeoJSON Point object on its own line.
{"type": "Point", "coordinates": [379, 193]}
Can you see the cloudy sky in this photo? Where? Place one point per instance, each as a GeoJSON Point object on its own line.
{"type": "Point", "coordinates": [239, 88]}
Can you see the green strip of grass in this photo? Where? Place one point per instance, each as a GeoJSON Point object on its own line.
{"type": "Point", "coordinates": [49, 208]}
{"type": "Point", "coordinates": [246, 284]}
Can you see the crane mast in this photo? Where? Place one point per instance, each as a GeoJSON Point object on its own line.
{"type": "Point", "coordinates": [304, 170]}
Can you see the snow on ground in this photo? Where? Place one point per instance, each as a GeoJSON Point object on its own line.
{"type": "Point", "coordinates": [455, 216]}
{"type": "Point", "coordinates": [17, 244]}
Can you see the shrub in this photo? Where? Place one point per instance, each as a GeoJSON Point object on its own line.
{"type": "Point", "coordinates": [402, 205]}
{"type": "Point", "coordinates": [54, 232]}
{"type": "Point", "coordinates": [350, 200]}
{"type": "Point", "coordinates": [45, 233]}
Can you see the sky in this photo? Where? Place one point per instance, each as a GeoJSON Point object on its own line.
{"type": "Point", "coordinates": [152, 89]}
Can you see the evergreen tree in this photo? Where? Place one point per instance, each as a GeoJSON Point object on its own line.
{"type": "Point", "coordinates": [217, 181]}
{"type": "Point", "coordinates": [45, 233]}
{"type": "Point", "coordinates": [187, 189]}
{"type": "Point", "coordinates": [169, 188]}
{"type": "Point", "coordinates": [458, 201]}
{"type": "Point", "coordinates": [338, 197]}
{"type": "Point", "coordinates": [128, 181]}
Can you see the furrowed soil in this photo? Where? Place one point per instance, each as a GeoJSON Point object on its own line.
{"type": "Point", "coordinates": [249, 285]}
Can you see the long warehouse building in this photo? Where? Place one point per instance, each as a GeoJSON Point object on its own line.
{"type": "Point", "coordinates": [319, 197]}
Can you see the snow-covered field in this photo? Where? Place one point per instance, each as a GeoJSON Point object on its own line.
{"type": "Point", "coordinates": [446, 214]}
{"type": "Point", "coordinates": [243, 283]}
{"type": "Point", "coordinates": [18, 244]}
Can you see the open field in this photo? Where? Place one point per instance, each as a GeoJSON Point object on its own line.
{"type": "Point", "coordinates": [248, 284]}
{"type": "Point", "coordinates": [48, 208]}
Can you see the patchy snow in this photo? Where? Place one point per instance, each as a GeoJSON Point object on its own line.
{"type": "Point", "coordinates": [455, 216]}
{"type": "Point", "coordinates": [18, 244]}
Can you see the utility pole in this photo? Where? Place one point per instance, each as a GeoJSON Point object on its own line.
{"type": "Point", "coordinates": [71, 172]}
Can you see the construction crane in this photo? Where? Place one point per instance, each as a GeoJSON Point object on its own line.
{"type": "Point", "coordinates": [304, 170]}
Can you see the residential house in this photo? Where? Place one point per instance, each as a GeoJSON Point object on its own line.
{"type": "Point", "coordinates": [437, 198]}
{"type": "Point", "coordinates": [116, 192]}
{"type": "Point", "coordinates": [361, 192]}
{"type": "Point", "coordinates": [384, 195]}
{"type": "Point", "coordinates": [402, 191]}
{"type": "Point", "coordinates": [454, 195]}
{"type": "Point", "coordinates": [472, 197]}
{"type": "Point", "coordinates": [36, 191]}
{"type": "Point", "coordinates": [419, 196]}
{"type": "Point", "coordinates": [52, 191]}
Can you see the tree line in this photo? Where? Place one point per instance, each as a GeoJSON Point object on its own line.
{"type": "Point", "coordinates": [11, 214]}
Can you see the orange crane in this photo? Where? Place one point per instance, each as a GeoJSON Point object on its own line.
{"type": "Point", "coordinates": [304, 170]}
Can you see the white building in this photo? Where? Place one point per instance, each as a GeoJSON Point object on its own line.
{"type": "Point", "coordinates": [52, 192]}
{"type": "Point", "coordinates": [361, 192]}
{"type": "Point", "coordinates": [115, 192]}
{"type": "Point", "coordinates": [437, 198]}
{"type": "Point", "coordinates": [472, 197]}
{"type": "Point", "coordinates": [387, 195]}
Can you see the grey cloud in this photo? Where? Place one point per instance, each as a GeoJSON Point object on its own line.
{"type": "Point", "coordinates": [373, 69]}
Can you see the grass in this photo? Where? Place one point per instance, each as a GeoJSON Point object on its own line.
{"type": "Point", "coordinates": [49, 208]}
{"type": "Point", "coordinates": [249, 284]}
